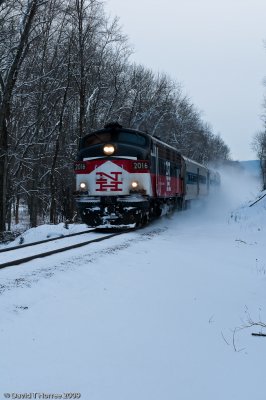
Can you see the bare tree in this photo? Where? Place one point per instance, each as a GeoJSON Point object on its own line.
{"type": "Point", "coordinates": [259, 146]}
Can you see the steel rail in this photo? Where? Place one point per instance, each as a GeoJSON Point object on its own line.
{"type": "Point", "coordinates": [21, 246]}
{"type": "Point", "coordinates": [51, 252]}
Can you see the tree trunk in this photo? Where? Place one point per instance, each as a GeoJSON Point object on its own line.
{"type": "Point", "coordinates": [17, 210]}
{"type": "Point", "coordinates": [3, 172]}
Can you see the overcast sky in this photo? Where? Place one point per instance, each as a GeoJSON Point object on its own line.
{"type": "Point", "coordinates": [214, 48]}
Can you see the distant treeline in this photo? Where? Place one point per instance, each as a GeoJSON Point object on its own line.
{"type": "Point", "coordinates": [65, 69]}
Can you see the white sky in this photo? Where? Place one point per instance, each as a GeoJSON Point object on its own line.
{"type": "Point", "coordinates": [214, 48]}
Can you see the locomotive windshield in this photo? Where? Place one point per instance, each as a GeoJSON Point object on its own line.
{"type": "Point", "coordinates": [133, 138]}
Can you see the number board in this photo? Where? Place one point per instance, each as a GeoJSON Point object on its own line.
{"type": "Point", "coordinates": [143, 165]}
{"type": "Point", "coordinates": [79, 166]}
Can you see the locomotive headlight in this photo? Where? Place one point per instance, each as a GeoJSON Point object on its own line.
{"type": "Point", "coordinates": [83, 185]}
{"type": "Point", "coordinates": [108, 149]}
{"type": "Point", "coordinates": [134, 184]}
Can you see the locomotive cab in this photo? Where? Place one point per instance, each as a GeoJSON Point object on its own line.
{"type": "Point", "coordinates": [126, 143]}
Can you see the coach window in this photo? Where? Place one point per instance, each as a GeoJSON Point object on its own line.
{"type": "Point", "coordinates": [202, 179]}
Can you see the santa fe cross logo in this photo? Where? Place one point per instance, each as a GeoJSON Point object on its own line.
{"type": "Point", "coordinates": [110, 182]}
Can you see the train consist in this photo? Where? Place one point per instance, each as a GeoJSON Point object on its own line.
{"type": "Point", "coordinates": [126, 177]}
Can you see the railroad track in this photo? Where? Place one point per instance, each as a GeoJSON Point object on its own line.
{"type": "Point", "coordinates": [17, 259]}
{"type": "Point", "coordinates": [21, 246]}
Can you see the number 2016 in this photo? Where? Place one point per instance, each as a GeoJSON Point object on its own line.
{"type": "Point", "coordinates": [140, 165]}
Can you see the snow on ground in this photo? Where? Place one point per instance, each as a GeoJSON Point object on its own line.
{"type": "Point", "coordinates": [150, 315]}
{"type": "Point", "coordinates": [44, 232]}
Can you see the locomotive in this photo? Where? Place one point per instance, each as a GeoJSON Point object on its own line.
{"type": "Point", "coordinates": [125, 177]}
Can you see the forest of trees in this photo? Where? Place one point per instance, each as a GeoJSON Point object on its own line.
{"type": "Point", "coordinates": [65, 70]}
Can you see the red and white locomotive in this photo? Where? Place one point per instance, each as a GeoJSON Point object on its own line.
{"type": "Point", "coordinates": [125, 177]}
